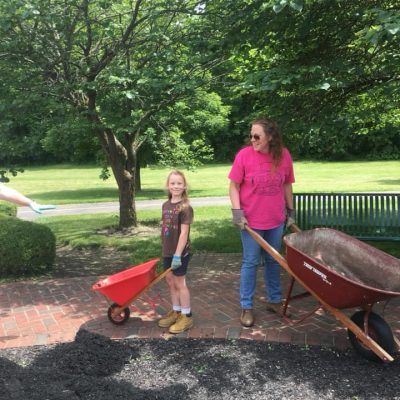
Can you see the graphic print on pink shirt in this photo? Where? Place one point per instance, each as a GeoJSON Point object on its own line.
{"type": "Point", "coordinates": [267, 183]}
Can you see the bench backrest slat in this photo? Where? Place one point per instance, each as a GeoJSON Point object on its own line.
{"type": "Point", "coordinates": [366, 216]}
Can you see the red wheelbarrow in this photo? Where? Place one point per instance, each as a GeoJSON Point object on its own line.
{"type": "Point", "coordinates": [126, 286]}
{"type": "Point", "coordinates": [342, 272]}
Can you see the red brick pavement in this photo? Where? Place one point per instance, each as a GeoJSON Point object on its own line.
{"type": "Point", "coordinates": [52, 311]}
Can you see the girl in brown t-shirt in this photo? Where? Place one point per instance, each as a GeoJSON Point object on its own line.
{"type": "Point", "coordinates": [177, 215]}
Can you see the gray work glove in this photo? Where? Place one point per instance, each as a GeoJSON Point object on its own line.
{"type": "Point", "coordinates": [290, 217]}
{"type": "Point", "coordinates": [238, 217]}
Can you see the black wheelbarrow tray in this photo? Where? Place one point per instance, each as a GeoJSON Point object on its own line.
{"type": "Point", "coordinates": [124, 287]}
{"type": "Point", "coordinates": [342, 272]}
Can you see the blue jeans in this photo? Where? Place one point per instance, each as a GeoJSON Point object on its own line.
{"type": "Point", "coordinates": [252, 253]}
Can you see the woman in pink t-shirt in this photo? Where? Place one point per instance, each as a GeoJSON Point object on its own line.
{"type": "Point", "coordinates": [260, 191]}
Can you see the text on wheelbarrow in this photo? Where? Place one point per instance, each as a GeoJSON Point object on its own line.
{"type": "Point", "coordinates": [318, 272]}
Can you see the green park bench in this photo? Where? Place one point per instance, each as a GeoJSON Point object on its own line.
{"type": "Point", "coordinates": [365, 216]}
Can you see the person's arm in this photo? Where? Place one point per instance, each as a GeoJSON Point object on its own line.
{"type": "Point", "coordinates": [234, 191]}
{"type": "Point", "coordinates": [183, 238]}
{"type": "Point", "coordinates": [238, 217]}
{"type": "Point", "coordinates": [290, 211]}
{"type": "Point", "coordinates": [12, 195]}
{"type": "Point", "coordinates": [288, 190]}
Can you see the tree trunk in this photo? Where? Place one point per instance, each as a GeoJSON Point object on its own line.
{"type": "Point", "coordinates": [124, 172]}
{"type": "Point", "coordinates": [127, 207]}
{"type": "Point", "coordinates": [125, 178]}
{"type": "Point", "coordinates": [122, 162]}
{"type": "Point", "coordinates": [138, 181]}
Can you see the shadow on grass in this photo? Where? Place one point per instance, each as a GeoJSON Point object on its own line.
{"type": "Point", "coordinates": [100, 195]}
{"type": "Point", "coordinates": [389, 182]}
{"type": "Point", "coordinates": [94, 195]}
{"type": "Point", "coordinates": [84, 195]}
{"type": "Point", "coordinates": [150, 194]}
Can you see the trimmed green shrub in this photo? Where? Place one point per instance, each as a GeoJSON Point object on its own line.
{"type": "Point", "coordinates": [26, 248]}
{"type": "Point", "coordinates": [7, 208]}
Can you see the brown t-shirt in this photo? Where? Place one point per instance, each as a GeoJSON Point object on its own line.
{"type": "Point", "coordinates": [173, 215]}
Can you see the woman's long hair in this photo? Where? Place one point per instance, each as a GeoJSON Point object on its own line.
{"type": "Point", "coordinates": [276, 144]}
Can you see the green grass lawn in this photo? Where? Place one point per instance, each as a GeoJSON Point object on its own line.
{"type": "Point", "coordinates": [212, 230]}
{"type": "Point", "coordinates": [66, 184]}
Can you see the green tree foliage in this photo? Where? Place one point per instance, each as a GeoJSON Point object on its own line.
{"type": "Point", "coordinates": [328, 71]}
{"type": "Point", "coordinates": [119, 64]}
{"type": "Point", "coordinates": [20, 123]}
{"type": "Point", "coordinates": [69, 137]}
{"type": "Point", "coordinates": [200, 121]}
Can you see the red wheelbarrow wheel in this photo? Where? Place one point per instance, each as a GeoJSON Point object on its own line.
{"type": "Point", "coordinates": [378, 330]}
{"type": "Point", "coordinates": [119, 319]}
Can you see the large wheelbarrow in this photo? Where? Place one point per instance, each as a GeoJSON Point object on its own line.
{"type": "Point", "coordinates": [342, 272]}
{"type": "Point", "coordinates": [124, 287]}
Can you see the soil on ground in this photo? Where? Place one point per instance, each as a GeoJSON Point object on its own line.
{"type": "Point", "coordinates": [95, 367]}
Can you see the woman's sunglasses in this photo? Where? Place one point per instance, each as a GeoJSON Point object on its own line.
{"type": "Point", "coordinates": [255, 137]}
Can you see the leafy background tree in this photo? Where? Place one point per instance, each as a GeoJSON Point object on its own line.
{"type": "Point", "coordinates": [327, 71]}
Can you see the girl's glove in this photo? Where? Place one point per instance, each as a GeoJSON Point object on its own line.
{"type": "Point", "coordinates": [238, 217]}
{"type": "Point", "coordinates": [290, 216]}
{"type": "Point", "coordinates": [38, 208]}
{"type": "Point", "coordinates": [176, 262]}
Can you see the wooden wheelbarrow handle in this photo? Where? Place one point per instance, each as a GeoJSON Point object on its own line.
{"type": "Point", "coordinates": [344, 319]}
{"type": "Point", "coordinates": [295, 228]}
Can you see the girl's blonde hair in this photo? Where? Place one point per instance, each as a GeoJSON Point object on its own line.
{"type": "Point", "coordinates": [185, 197]}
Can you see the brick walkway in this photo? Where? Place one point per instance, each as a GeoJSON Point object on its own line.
{"type": "Point", "coordinates": [52, 311]}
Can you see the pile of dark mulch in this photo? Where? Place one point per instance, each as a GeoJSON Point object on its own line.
{"type": "Point", "coordinates": [95, 367]}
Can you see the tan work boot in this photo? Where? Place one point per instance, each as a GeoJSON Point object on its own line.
{"type": "Point", "coordinates": [169, 319]}
{"type": "Point", "coordinates": [247, 318]}
{"type": "Point", "coordinates": [182, 324]}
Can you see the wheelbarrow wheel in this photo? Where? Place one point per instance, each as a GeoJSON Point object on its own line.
{"type": "Point", "coordinates": [378, 330]}
{"type": "Point", "coordinates": [119, 319]}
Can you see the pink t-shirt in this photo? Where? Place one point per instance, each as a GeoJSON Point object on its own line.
{"type": "Point", "coordinates": [261, 190]}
